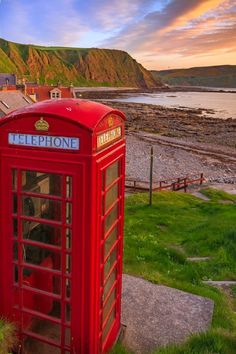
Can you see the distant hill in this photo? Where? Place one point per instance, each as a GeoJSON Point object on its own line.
{"type": "Point", "coordinates": [212, 76]}
{"type": "Point", "coordinates": [80, 66]}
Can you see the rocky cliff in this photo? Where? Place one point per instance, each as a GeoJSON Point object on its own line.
{"type": "Point", "coordinates": [74, 65]}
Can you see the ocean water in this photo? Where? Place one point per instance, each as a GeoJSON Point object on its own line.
{"type": "Point", "coordinates": [222, 104]}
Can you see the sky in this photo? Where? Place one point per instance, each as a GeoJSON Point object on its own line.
{"type": "Point", "coordinates": [159, 34]}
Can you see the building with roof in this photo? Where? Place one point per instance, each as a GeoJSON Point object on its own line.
{"type": "Point", "coordinates": [12, 100]}
{"type": "Point", "coordinates": [40, 92]}
{"type": "Point", "coordinates": [7, 79]}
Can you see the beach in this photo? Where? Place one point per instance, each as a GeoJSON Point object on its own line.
{"type": "Point", "coordinates": [186, 142]}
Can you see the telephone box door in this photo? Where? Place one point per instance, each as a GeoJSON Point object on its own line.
{"type": "Point", "coordinates": [38, 238]}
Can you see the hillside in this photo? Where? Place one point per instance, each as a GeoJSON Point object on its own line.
{"type": "Point", "coordinates": [74, 65]}
{"type": "Point", "coordinates": [212, 76]}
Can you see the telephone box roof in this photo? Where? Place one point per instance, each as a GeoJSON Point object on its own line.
{"type": "Point", "coordinates": [85, 113]}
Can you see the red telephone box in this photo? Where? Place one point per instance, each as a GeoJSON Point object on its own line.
{"type": "Point", "coordinates": [62, 195]}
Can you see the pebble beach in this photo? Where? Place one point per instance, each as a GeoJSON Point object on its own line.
{"type": "Point", "coordinates": [186, 142]}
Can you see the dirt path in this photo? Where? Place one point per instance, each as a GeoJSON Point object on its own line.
{"type": "Point", "coordinates": [220, 153]}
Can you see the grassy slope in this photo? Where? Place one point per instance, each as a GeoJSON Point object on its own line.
{"type": "Point", "coordinates": [218, 76]}
{"type": "Point", "coordinates": [159, 238]}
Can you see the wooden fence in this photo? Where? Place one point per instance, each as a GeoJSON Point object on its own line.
{"type": "Point", "coordinates": [174, 185]}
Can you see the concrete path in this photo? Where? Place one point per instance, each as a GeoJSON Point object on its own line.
{"type": "Point", "coordinates": [156, 315]}
{"type": "Point", "coordinates": [226, 187]}
{"type": "Point", "coordinates": [220, 283]}
{"type": "Point", "coordinates": [198, 259]}
{"type": "Point", "coordinates": [201, 196]}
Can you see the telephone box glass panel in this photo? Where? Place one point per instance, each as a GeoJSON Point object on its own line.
{"type": "Point", "coordinates": [110, 245]}
{"type": "Point", "coordinates": [42, 239]}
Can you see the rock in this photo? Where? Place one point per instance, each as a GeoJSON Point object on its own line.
{"type": "Point", "coordinates": [156, 315]}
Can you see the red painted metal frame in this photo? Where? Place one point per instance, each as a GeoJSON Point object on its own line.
{"type": "Point", "coordinates": [84, 120]}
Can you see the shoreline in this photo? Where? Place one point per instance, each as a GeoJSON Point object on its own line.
{"type": "Point", "coordinates": [184, 142]}
{"type": "Point", "coordinates": [115, 92]}
{"type": "Point", "coordinates": [190, 125]}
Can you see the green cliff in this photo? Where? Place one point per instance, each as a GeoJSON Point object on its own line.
{"type": "Point", "coordinates": [212, 76]}
{"type": "Point", "coordinates": [88, 67]}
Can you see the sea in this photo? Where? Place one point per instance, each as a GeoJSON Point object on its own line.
{"type": "Point", "coordinates": [221, 104]}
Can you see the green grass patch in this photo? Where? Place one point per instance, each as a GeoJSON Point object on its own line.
{"type": "Point", "coordinates": [8, 337]}
{"type": "Point", "coordinates": [158, 240]}
{"type": "Point", "coordinates": [212, 342]}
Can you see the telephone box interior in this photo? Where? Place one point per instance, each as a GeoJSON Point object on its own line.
{"type": "Point", "coordinates": [62, 200]}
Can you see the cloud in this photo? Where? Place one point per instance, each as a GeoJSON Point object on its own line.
{"type": "Point", "coordinates": [182, 28]}
{"type": "Point", "coordinates": [117, 13]}
{"type": "Point", "coordinates": [150, 30]}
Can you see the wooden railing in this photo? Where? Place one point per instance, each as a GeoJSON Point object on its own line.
{"type": "Point", "coordinates": [172, 184]}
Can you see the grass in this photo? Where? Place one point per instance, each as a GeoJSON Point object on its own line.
{"type": "Point", "coordinates": [158, 240]}
{"type": "Point", "coordinates": [8, 338]}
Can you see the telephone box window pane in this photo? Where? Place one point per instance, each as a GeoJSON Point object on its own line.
{"type": "Point", "coordinates": [109, 303]}
{"type": "Point", "coordinates": [15, 227]}
{"type": "Point", "coordinates": [112, 172]}
{"type": "Point", "coordinates": [68, 313]}
{"type": "Point", "coordinates": [15, 251]}
{"type": "Point", "coordinates": [37, 279]}
{"type": "Point", "coordinates": [68, 213]}
{"type": "Point", "coordinates": [68, 187]}
{"type": "Point", "coordinates": [44, 328]}
{"type": "Point", "coordinates": [111, 218]}
{"type": "Point", "coordinates": [41, 257]}
{"type": "Point", "coordinates": [14, 180]}
{"type": "Point", "coordinates": [15, 274]}
{"type": "Point", "coordinates": [41, 232]}
{"type": "Point", "coordinates": [68, 238]}
{"type": "Point", "coordinates": [34, 346]}
{"type": "Point", "coordinates": [42, 304]}
{"type": "Point", "coordinates": [67, 336]}
{"type": "Point", "coordinates": [109, 242]}
{"type": "Point", "coordinates": [41, 208]}
{"type": "Point", "coordinates": [68, 288]}
{"type": "Point", "coordinates": [45, 183]}
{"type": "Point", "coordinates": [108, 325]}
{"type": "Point", "coordinates": [109, 263]}
{"type": "Point", "coordinates": [14, 203]}
{"type": "Point", "coordinates": [111, 196]}
{"type": "Point", "coordinates": [103, 181]}
{"type": "Point", "coordinates": [109, 283]}
{"type": "Point", "coordinates": [68, 263]}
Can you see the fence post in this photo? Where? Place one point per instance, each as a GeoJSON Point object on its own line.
{"type": "Point", "coordinates": [178, 183]}
{"type": "Point", "coordinates": [201, 180]}
{"type": "Point", "coordinates": [185, 185]}
{"type": "Point", "coordinates": [151, 175]}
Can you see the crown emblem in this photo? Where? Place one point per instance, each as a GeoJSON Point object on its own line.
{"type": "Point", "coordinates": [110, 121]}
{"type": "Point", "coordinates": [41, 124]}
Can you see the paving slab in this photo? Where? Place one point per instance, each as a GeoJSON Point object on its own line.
{"type": "Point", "coordinates": [201, 196]}
{"type": "Point", "coordinates": [156, 315]}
